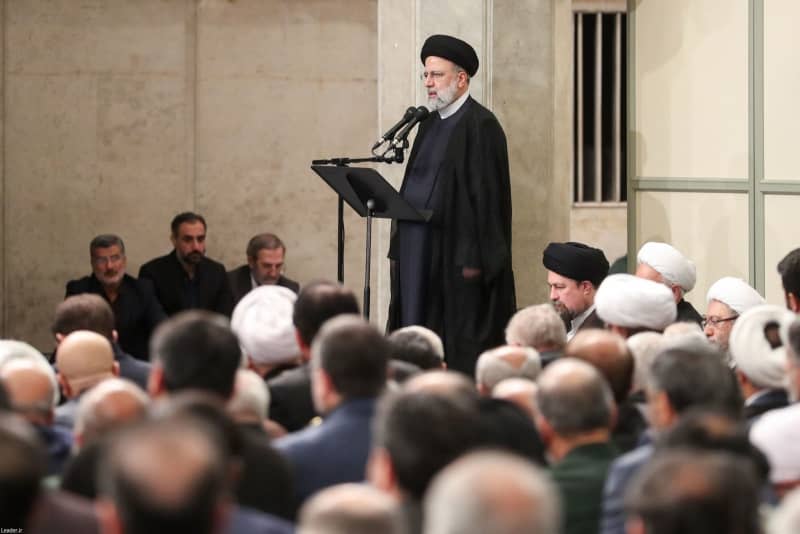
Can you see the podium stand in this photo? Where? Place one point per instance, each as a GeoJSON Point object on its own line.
{"type": "Point", "coordinates": [371, 196]}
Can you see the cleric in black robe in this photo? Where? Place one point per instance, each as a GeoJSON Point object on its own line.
{"type": "Point", "coordinates": [453, 274]}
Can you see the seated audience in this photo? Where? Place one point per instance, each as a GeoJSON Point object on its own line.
{"type": "Point", "coordinates": [576, 414]}
{"type": "Point", "coordinates": [33, 393]}
{"type": "Point", "coordinates": [290, 392]}
{"type": "Point", "coordinates": [107, 407]}
{"type": "Point", "coordinates": [266, 257]}
{"type": "Point", "coordinates": [419, 346]}
{"type": "Point", "coordinates": [84, 359]}
{"type": "Point", "coordinates": [197, 351]}
{"type": "Point", "coordinates": [521, 392]}
{"type": "Point", "coordinates": [137, 311]}
{"type": "Point", "coordinates": [777, 432]}
{"type": "Point", "coordinates": [92, 313]}
{"type": "Point", "coordinates": [789, 270]}
{"type": "Point", "coordinates": [350, 509]}
{"type": "Point", "coordinates": [694, 492]}
{"type": "Point", "coordinates": [759, 358]}
{"type": "Point", "coordinates": [608, 353]}
{"type": "Point", "coordinates": [574, 272]}
{"type": "Point", "coordinates": [185, 278]}
{"type": "Point", "coordinates": [629, 305]}
{"type": "Point", "coordinates": [348, 365]}
{"type": "Point", "coordinates": [689, 375]}
{"type": "Point", "coordinates": [493, 492]}
{"type": "Point", "coordinates": [727, 298]}
{"type": "Point", "coordinates": [262, 321]}
{"type": "Point", "coordinates": [504, 362]}
{"type": "Point", "coordinates": [540, 328]}
{"type": "Point", "coordinates": [664, 264]}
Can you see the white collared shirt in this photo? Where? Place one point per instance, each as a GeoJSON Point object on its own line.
{"type": "Point", "coordinates": [578, 321]}
{"type": "Point", "coordinates": [454, 106]}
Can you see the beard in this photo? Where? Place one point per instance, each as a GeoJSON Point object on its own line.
{"type": "Point", "coordinates": [565, 313]}
{"type": "Point", "coordinates": [193, 258]}
{"type": "Point", "coordinates": [443, 98]}
{"type": "Point", "coordinates": [111, 278]}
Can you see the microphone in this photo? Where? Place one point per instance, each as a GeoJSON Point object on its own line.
{"type": "Point", "coordinates": [420, 114]}
{"type": "Point", "coordinates": [393, 130]}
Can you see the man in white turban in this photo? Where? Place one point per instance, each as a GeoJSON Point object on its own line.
{"type": "Point", "coordinates": [664, 264]}
{"type": "Point", "coordinates": [727, 299]}
{"type": "Point", "coordinates": [628, 304]}
{"type": "Point", "coordinates": [262, 321]}
{"type": "Point", "coordinates": [759, 354]}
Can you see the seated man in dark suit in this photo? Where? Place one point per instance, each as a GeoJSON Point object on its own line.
{"type": "Point", "coordinates": [136, 309]}
{"type": "Point", "coordinates": [185, 278]}
{"type": "Point", "coordinates": [265, 263]}
{"type": "Point", "coordinates": [348, 365]}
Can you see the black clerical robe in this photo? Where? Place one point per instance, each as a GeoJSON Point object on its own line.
{"type": "Point", "coordinates": [470, 227]}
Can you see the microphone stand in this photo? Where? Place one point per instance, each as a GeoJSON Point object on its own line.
{"type": "Point", "coordinates": [396, 156]}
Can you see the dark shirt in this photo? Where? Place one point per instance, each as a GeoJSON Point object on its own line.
{"type": "Point", "coordinates": [136, 310]}
{"type": "Point", "coordinates": [241, 282]}
{"type": "Point", "coordinates": [580, 476]}
{"type": "Point", "coordinates": [208, 289]}
{"type": "Point", "coordinates": [290, 398]}
{"type": "Point", "coordinates": [687, 313]}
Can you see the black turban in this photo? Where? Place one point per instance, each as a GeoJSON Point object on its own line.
{"type": "Point", "coordinates": [456, 50]}
{"type": "Point", "coordinates": [576, 261]}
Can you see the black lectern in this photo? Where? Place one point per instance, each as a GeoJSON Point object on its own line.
{"type": "Point", "coordinates": [366, 191]}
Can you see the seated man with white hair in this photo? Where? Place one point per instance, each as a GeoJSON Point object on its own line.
{"type": "Point", "coordinates": [630, 305]}
{"type": "Point", "coordinates": [491, 492]}
{"type": "Point", "coordinates": [504, 362]}
{"type": "Point", "coordinates": [541, 328]}
{"type": "Point", "coordinates": [664, 264]}
{"type": "Point", "coordinates": [419, 346]}
{"type": "Point", "coordinates": [759, 357]}
{"type": "Point", "coordinates": [32, 390]}
{"type": "Point", "coordinates": [727, 299]}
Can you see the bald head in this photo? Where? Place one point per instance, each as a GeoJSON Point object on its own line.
{"type": "Point", "coordinates": [111, 404]}
{"type": "Point", "coordinates": [350, 509]}
{"type": "Point", "coordinates": [30, 389]}
{"type": "Point", "coordinates": [609, 354]}
{"type": "Point", "coordinates": [506, 362]}
{"type": "Point", "coordinates": [449, 383]}
{"type": "Point", "coordinates": [84, 359]}
{"type": "Point", "coordinates": [574, 398]}
{"type": "Point", "coordinates": [521, 392]}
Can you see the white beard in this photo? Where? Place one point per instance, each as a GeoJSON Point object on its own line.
{"type": "Point", "coordinates": [443, 98]}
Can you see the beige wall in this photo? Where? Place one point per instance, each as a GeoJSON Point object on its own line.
{"type": "Point", "coordinates": [119, 114]}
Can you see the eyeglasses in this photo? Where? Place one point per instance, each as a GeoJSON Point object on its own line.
{"type": "Point", "coordinates": [435, 74]}
{"type": "Point", "coordinates": [714, 321]}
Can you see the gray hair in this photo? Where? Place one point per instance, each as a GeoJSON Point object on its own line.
{"type": "Point", "coordinates": [644, 346]}
{"type": "Point", "coordinates": [491, 492]}
{"type": "Point", "coordinates": [574, 397]}
{"type": "Point", "coordinates": [94, 417]}
{"type": "Point", "coordinates": [105, 241]}
{"type": "Point", "coordinates": [350, 509]}
{"type": "Point", "coordinates": [537, 326]}
{"type": "Point", "coordinates": [497, 364]}
{"type": "Point", "coordinates": [251, 396]}
{"type": "Point", "coordinates": [11, 350]}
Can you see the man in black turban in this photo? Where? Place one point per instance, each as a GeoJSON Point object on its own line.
{"type": "Point", "coordinates": [453, 274]}
{"type": "Point", "coordinates": [574, 271]}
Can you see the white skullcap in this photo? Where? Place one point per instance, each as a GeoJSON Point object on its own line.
{"type": "Point", "coordinates": [776, 434]}
{"type": "Point", "coordinates": [631, 302]}
{"type": "Point", "coordinates": [737, 294]}
{"type": "Point", "coordinates": [263, 322]}
{"type": "Point", "coordinates": [751, 351]}
{"type": "Point", "coordinates": [671, 264]}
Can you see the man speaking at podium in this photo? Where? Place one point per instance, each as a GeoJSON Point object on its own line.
{"type": "Point", "coordinates": [453, 274]}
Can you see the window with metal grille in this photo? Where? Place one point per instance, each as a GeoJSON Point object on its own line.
{"type": "Point", "coordinates": [600, 107]}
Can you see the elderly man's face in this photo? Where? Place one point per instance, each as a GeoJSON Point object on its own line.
{"type": "Point", "coordinates": [443, 82]}
{"type": "Point", "coordinates": [570, 298]}
{"type": "Point", "coordinates": [190, 243]}
{"type": "Point", "coordinates": [267, 266]}
{"type": "Point", "coordinates": [108, 265]}
{"type": "Point", "coordinates": [718, 323]}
